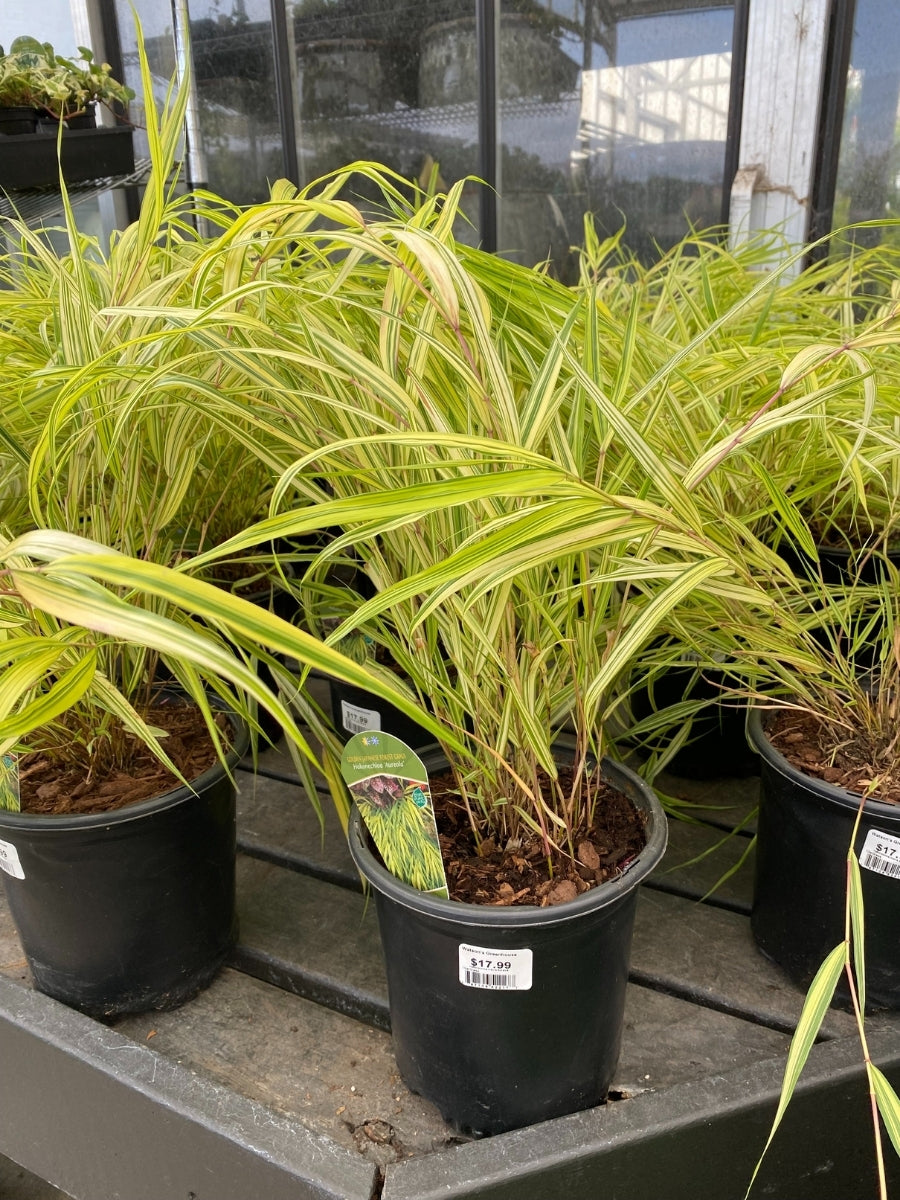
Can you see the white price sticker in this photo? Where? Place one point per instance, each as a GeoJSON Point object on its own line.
{"type": "Point", "coordinates": [498, 970]}
{"type": "Point", "coordinates": [9, 860]}
{"type": "Point", "coordinates": [357, 720]}
{"type": "Point", "coordinates": [881, 853]}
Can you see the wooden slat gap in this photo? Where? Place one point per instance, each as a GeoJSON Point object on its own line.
{"type": "Point", "coordinates": [669, 987]}
{"type": "Point", "coordinates": [311, 985]}
{"type": "Point", "coordinates": [657, 884]}
{"type": "Point", "coordinates": [299, 863]}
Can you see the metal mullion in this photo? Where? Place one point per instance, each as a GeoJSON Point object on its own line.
{"type": "Point", "coordinates": [831, 120]}
{"type": "Point", "coordinates": [486, 22]}
{"type": "Point", "coordinates": [284, 89]}
{"type": "Point", "coordinates": [735, 101]}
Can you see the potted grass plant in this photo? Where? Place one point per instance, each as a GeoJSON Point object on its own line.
{"type": "Point", "coordinates": [513, 588]}
{"type": "Point", "coordinates": [822, 682]}
{"type": "Point", "coordinates": [793, 382]}
{"type": "Point", "coordinates": [118, 829]}
{"type": "Point", "coordinates": [118, 826]}
{"type": "Point", "coordinates": [504, 660]}
{"type": "Point", "coordinates": [821, 673]}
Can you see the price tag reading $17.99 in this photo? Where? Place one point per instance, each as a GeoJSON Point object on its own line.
{"type": "Point", "coordinates": [881, 853]}
{"type": "Point", "coordinates": [498, 970]}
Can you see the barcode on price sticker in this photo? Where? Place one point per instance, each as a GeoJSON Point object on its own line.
{"type": "Point", "coordinates": [9, 860]}
{"type": "Point", "coordinates": [881, 853]}
{"type": "Point", "coordinates": [358, 720]}
{"type": "Point", "coordinates": [498, 970]}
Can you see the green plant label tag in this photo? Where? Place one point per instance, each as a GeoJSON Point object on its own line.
{"type": "Point", "coordinates": [390, 786]}
{"type": "Point", "coordinates": [9, 783]}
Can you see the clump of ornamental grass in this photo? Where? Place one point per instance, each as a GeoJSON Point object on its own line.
{"type": "Point", "coordinates": [789, 373]}
{"type": "Point", "coordinates": [113, 412]}
{"type": "Point", "coordinates": [512, 466]}
{"type": "Point", "coordinates": [522, 538]}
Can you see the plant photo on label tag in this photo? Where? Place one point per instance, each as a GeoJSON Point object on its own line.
{"type": "Point", "coordinates": [9, 860]}
{"type": "Point", "coordinates": [390, 787]}
{"type": "Point", "coordinates": [881, 853]}
{"type": "Point", "coordinates": [496, 970]}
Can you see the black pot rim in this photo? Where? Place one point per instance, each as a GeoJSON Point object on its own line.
{"type": "Point", "coordinates": [456, 912]}
{"type": "Point", "coordinates": [11, 821]}
{"type": "Point", "coordinates": [818, 787]}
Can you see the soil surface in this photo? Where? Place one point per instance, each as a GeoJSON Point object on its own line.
{"type": "Point", "coordinates": [505, 875]}
{"type": "Point", "coordinates": [806, 744]}
{"type": "Point", "coordinates": [47, 785]}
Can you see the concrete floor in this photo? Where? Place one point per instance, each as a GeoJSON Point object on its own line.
{"type": "Point", "coordinates": [18, 1184]}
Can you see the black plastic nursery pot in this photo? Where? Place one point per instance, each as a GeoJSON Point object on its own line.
{"type": "Point", "coordinates": [803, 836]}
{"type": "Point", "coordinates": [840, 565]}
{"type": "Point", "coordinates": [504, 1017]}
{"type": "Point", "coordinates": [354, 710]}
{"type": "Point", "coordinates": [30, 160]}
{"type": "Point", "coordinates": [17, 119]}
{"type": "Point", "coordinates": [130, 910]}
{"type": "Point", "coordinates": [718, 744]}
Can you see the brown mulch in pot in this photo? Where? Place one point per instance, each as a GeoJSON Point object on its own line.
{"type": "Point", "coordinates": [522, 874]}
{"type": "Point", "coordinates": [809, 746]}
{"type": "Point", "coordinates": [50, 786]}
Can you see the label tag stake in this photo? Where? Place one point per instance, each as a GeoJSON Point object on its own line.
{"type": "Point", "coordinates": [9, 783]}
{"type": "Point", "coordinates": [390, 786]}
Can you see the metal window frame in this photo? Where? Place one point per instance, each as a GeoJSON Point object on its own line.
{"type": "Point", "coordinates": [831, 121]}
{"type": "Point", "coordinates": [735, 100]}
{"type": "Point", "coordinates": [487, 23]}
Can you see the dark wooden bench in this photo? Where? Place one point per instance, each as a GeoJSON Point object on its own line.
{"type": "Point", "coordinates": [278, 1083]}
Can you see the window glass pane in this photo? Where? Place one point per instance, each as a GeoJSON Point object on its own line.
{"type": "Point", "coordinates": [52, 22]}
{"type": "Point", "coordinates": [608, 111]}
{"type": "Point", "coordinates": [372, 80]}
{"type": "Point", "coordinates": [234, 65]}
{"type": "Point", "coordinates": [868, 179]}
{"type": "Point", "coordinates": [234, 75]}
{"type": "Point", "coordinates": [375, 81]}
